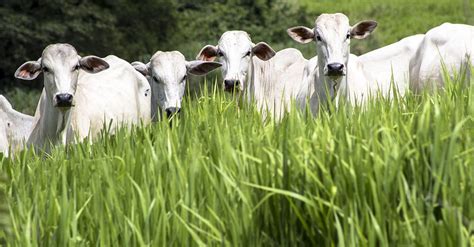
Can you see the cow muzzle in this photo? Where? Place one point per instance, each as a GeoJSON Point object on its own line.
{"type": "Point", "coordinates": [231, 85]}
{"type": "Point", "coordinates": [171, 111]}
{"type": "Point", "coordinates": [335, 69]}
{"type": "Point", "coordinates": [64, 100]}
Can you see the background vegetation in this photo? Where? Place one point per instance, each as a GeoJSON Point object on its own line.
{"type": "Point", "coordinates": [135, 30]}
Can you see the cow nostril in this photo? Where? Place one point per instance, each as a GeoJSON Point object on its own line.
{"type": "Point", "coordinates": [229, 83]}
{"type": "Point", "coordinates": [172, 111]}
{"type": "Point", "coordinates": [64, 100]}
{"type": "Point", "coordinates": [335, 67]}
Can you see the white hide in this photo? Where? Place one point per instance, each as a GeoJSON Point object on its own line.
{"type": "Point", "coordinates": [269, 79]}
{"type": "Point", "coordinates": [15, 127]}
{"type": "Point", "coordinates": [167, 73]}
{"type": "Point", "coordinates": [448, 46]}
{"type": "Point", "coordinates": [306, 93]}
{"type": "Point", "coordinates": [118, 96]}
{"type": "Point", "coordinates": [392, 63]}
{"type": "Point", "coordinates": [277, 82]}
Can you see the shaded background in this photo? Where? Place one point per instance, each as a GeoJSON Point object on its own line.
{"type": "Point", "coordinates": [134, 30]}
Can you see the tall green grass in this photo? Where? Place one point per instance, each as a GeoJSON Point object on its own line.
{"type": "Point", "coordinates": [4, 211]}
{"type": "Point", "coordinates": [399, 173]}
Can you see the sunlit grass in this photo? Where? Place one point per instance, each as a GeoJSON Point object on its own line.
{"type": "Point", "coordinates": [398, 173]}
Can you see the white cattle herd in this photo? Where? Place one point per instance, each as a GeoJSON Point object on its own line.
{"type": "Point", "coordinates": [84, 95]}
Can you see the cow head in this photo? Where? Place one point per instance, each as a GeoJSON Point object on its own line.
{"type": "Point", "coordinates": [235, 51]}
{"type": "Point", "coordinates": [332, 34]}
{"type": "Point", "coordinates": [167, 72]}
{"type": "Point", "coordinates": [60, 65]}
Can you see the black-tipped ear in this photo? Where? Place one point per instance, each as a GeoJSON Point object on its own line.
{"type": "Point", "coordinates": [28, 71]}
{"type": "Point", "coordinates": [201, 67]}
{"type": "Point", "coordinates": [363, 29]}
{"type": "Point", "coordinates": [301, 34]}
{"type": "Point", "coordinates": [93, 64]}
{"type": "Point", "coordinates": [142, 68]}
{"type": "Point", "coordinates": [263, 51]}
{"type": "Point", "coordinates": [207, 53]}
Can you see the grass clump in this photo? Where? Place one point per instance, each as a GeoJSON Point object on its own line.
{"type": "Point", "coordinates": [397, 173]}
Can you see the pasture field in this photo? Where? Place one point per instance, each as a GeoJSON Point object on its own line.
{"type": "Point", "coordinates": [400, 173]}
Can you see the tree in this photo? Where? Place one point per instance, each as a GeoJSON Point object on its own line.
{"type": "Point", "coordinates": [93, 27]}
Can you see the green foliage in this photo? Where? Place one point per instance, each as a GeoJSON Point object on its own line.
{"type": "Point", "coordinates": [204, 23]}
{"type": "Point", "coordinates": [129, 29]}
{"type": "Point", "coordinates": [5, 226]}
{"type": "Point", "coordinates": [101, 27]}
{"type": "Point", "coordinates": [399, 173]}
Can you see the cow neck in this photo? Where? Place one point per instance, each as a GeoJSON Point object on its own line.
{"type": "Point", "coordinates": [260, 84]}
{"type": "Point", "coordinates": [250, 88]}
{"type": "Point", "coordinates": [63, 124]}
{"type": "Point", "coordinates": [325, 84]}
{"type": "Point", "coordinates": [53, 125]}
{"type": "Point", "coordinates": [156, 111]}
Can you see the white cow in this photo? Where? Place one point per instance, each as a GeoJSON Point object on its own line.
{"type": "Point", "coordinates": [268, 78]}
{"type": "Point", "coordinates": [15, 127]}
{"type": "Point", "coordinates": [167, 73]}
{"type": "Point", "coordinates": [77, 104]}
{"type": "Point", "coordinates": [337, 73]}
{"type": "Point", "coordinates": [450, 48]}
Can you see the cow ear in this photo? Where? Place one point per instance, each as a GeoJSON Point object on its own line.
{"type": "Point", "coordinates": [142, 68]}
{"type": "Point", "coordinates": [28, 71]}
{"type": "Point", "coordinates": [301, 34]}
{"type": "Point", "coordinates": [263, 51]}
{"type": "Point", "coordinates": [363, 29]}
{"type": "Point", "coordinates": [207, 53]}
{"type": "Point", "coordinates": [201, 67]}
{"type": "Point", "coordinates": [93, 64]}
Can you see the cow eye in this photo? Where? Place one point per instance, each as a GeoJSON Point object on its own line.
{"type": "Point", "coordinates": [248, 53]}
{"type": "Point", "coordinates": [348, 36]}
{"type": "Point", "coordinates": [184, 78]}
{"type": "Point", "coordinates": [220, 54]}
{"type": "Point", "coordinates": [318, 38]}
{"type": "Point", "coordinates": [45, 69]}
{"type": "Point", "coordinates": [155, 79]}
{"type": "Point", "coordinates": [76, 67]}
